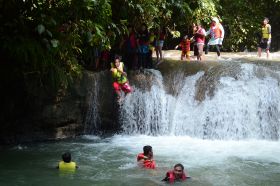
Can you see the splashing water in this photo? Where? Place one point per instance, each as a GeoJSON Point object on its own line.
{"type": "Point", "coordinates": [244, 105]}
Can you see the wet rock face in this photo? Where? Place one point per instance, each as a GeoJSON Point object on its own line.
{"type": "Point", "coordinates": [57, 118]}
{"type": "Point", "coordinates": [142, 80]}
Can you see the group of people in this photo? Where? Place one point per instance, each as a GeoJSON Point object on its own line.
{"type": "Point", "coordinates": [138, 47]}
{"type": "Point", "coordinates": [144, 160]}
{"type": "Point", "coordinates": [216, 32]}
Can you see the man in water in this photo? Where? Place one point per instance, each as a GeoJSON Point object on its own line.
{"type": "Point", "coordinates": [177, 174]}
{"type": "Point", "coordinates": [146, 158]}
{"type": "Point", "coordinates": [120, 78]}
{"type": "Point", "coordinates": [66, 164]}
{"type": "Point", "coordinates": [266, 38]}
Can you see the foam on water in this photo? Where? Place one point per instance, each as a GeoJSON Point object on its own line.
{"type": "Point", "coordinates": [195, 152]}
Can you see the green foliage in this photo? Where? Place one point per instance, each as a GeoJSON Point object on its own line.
{"type": "Point", "coordinates": [48, 37]}
{"type": "Point", "coordinates": [50, 40]}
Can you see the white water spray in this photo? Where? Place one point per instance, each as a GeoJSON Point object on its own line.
{"type": "Point", "coordinates": [244, 107]}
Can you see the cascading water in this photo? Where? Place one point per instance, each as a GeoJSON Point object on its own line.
{"type": "Point", "coordinates": [99, 103]}
{"type": "Point", "coordinates": [92, 120]}
{"type": "Point", "coordinates": [221, 123]}
{"type": "Point", "coordinates": [147, 111]}
{"type": "Point", "coordinates": [237, 101]}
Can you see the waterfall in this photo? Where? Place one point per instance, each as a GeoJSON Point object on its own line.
{"type": "Point", "coordinates": [148, 111]}
{"type": "Point", "coordinates": [99, 103]}
{"type": "Point", "coordinates": [92, 119]}
{"type": "Point", "coordinates": [228, 101]}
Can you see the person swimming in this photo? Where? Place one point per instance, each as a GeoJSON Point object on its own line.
{"type": "Point", "coordinates": [177, 174]}
{"type": "Point", "coordinates": [146, 158]}
{"type": "Point", "coordinates": [66, 164]}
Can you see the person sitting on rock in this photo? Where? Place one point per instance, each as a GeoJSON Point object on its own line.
{"type": "Point", "coordinates": [120, 78]}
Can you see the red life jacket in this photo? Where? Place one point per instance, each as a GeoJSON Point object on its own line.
{"type": "Point", "coordinates": [171, 176]}
{"type": "Point", "coordinates": [185, 45]}
{"type": "Point", "coordinates": [148, 164]}
{"type": "Point", "coordinates": [140, 156]}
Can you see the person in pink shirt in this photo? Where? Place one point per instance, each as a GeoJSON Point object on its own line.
{"type": "Point", "coordinates": [200, 40]}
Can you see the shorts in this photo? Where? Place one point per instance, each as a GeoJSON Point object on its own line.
{"type": "Point", "coordinates": [124, 87]}
{"type": "Point", "coordinates": [265, 44]}
{"type": "Point", "coordinates": [186, 53]}
{"type": "Point", "coordinates": [200, 48]}
{"type": "Point", "coordinates": [143, 49]}
{"type": "Point", "coordinates": [159, 43]}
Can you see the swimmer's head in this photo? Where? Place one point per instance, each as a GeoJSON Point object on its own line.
{"type": "Point", "coordinates": [66, 157]}
{"type": "Point", "coordinates": [148, 150]}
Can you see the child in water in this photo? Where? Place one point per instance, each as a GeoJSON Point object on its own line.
{"type": "Point", "coordinates": [66, 164]}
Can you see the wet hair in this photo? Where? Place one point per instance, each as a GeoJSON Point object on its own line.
{"type": "Point", "coordinates": [66, 157]}
{"type": "Point", "coordinates": [179, 165]}
{"type": "Point", "coordinates": [147, 149]}
{"type": "Point", "coordinates": [266, 18]}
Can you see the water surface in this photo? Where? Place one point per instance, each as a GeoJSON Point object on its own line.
{"type": "Point", "coordinates": [112, 161]}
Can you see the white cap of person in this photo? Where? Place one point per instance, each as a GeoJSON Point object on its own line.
{"type": "Point", "coordinates": [215, 19]}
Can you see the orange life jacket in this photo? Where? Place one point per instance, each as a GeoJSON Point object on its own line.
{"type": "Point", "coordinates": [171, 176]}
{"type": "Point", "coordinates": [147, 163]}
{"type": "Point", "coordinates": [216, 30]}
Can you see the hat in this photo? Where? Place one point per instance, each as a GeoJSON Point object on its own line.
{"type": "Point", "coordinates": [215, 19]}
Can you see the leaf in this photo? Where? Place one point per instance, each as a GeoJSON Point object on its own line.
{"type": "Point", "coordinates": [54, 43]}
{"type": "Point", "coordinates": [89, 36]}
{"type": "Point", "coordinates": [40, 29]}
{"type": "Point", "coordinates": [49, 33]}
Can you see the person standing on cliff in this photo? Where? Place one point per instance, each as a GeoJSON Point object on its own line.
{"type": "Point", "coordinates": [217, 34]}
{"type": "Point", "coordinates": [199, 36]}
{"type": "Point", "coordinates": [185, 46]}
{"type": "Point", "coordinates": [265, 39]}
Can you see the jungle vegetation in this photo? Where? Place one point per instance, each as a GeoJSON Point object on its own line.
{"type": "Point", "coordinates": [46, 44]}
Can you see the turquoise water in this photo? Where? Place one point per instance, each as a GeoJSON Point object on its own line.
{"type": "Point", "coordinates": [111, 161]}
